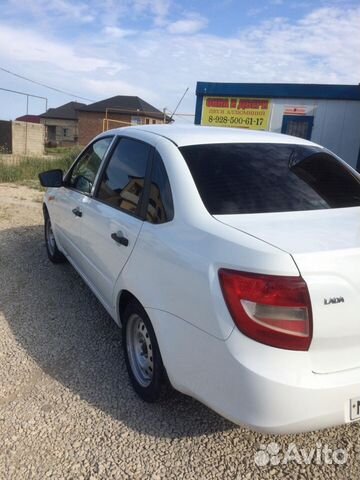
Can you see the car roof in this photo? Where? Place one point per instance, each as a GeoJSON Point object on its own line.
{"type": "Point", "coordinates": [183, 135]}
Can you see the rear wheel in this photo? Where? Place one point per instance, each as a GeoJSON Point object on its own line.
{"type": "Point", "coordinates": [53, 252]}
{"type": "Point", "coordinates": [142, 354]}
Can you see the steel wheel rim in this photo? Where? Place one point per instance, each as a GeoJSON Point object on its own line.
{"type": "Point", "coordinates": [50, 237]}
{"type": "Point", "coordinates": [139, 349]}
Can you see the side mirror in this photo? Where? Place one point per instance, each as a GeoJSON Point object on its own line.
{"type": "Point", "coordinates": [51, 178]}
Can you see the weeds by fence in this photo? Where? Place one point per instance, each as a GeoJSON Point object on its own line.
{"type": "Point", "coordinates": [25, 170]}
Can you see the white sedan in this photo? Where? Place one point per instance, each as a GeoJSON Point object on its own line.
{"type": "Point", "coordinates": [230, 258]}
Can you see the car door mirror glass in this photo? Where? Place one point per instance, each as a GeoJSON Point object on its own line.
{"type": "Point", "coordinates": [51, 178]}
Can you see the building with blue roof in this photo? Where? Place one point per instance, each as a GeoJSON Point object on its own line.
{"type": "Point", "coordinates": [325, 114]}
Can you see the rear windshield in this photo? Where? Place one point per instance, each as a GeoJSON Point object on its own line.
{"type": "Point", "coordinates": [258, 178]}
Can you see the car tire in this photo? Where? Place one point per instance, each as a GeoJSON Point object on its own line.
{"type": "Point", "coordinates": [142, 354]}
{"type": "Point", "coordinates": [54, 254]}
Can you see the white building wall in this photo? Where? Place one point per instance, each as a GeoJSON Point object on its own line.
{"type": "Point", "coordinates": [336, 124]}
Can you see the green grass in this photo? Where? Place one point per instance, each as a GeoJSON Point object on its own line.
{"type": "Point", "coordinates": [25, 170]}
{"type": "Point", "coordinates": [60, 150]}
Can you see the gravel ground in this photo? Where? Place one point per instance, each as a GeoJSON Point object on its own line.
{"type": "Point", "coordinates": [67, 409]}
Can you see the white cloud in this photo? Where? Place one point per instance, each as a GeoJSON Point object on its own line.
{"type": "Point", "coordinates": [117, 32]}
{"type": "Point", "coordinates": [158, 8]}
{"type": "Point", "coordinates": [187, 26]}
{"type": "Point", "coordinates": [73, 11]}
{"type": "Point", "coordinates": [254, 12]}
{"type": "Point", "coordinates": [107, 88]}
{"type": "Point", "coordinates": [19, 45]}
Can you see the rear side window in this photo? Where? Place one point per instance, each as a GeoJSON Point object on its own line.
{"type": "Point", "coordinates": [122, 182]}
{"type": "Point", "coordinates": [259, 178]}
{"type": "Point", "coordinates": [160, 206]}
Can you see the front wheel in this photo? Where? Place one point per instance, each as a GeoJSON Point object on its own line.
{"type": "Point", "coordinates": [53, 252]}
{"type": "Point", "coordinates": [142, 354]}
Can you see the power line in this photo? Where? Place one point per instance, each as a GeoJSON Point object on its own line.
{"type": "Point", "coordinates": [44, 85]}
{"type": "Point", "coordinates": [22, 93]}
{"type": "Point", "coordinates": [27, 95]}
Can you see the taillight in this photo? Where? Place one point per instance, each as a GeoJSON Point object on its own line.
{"type": "Point", "coordinates": [270, 309]}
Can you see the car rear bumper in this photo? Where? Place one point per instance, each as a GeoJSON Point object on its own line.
{"type": "Point", "coordinates": [268, 389]}
{"type": "Point", "coordinates": [282, 393]}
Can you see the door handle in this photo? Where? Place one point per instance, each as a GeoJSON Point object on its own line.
{"type": "Point", "coordinates": [119, 238]}
{"type": "Point", "coordinates": [77, 212]}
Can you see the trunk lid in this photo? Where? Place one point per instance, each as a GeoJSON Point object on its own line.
{"type": "Point", "coordinates": [325, 245]}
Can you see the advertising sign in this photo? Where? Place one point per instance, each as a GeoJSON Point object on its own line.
{"type": "Point", "coordinates": [252, 113]}
{"type": "Point", "coordinates": [299, 109]}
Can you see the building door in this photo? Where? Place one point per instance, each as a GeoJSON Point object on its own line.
{"type": "Point", "coordinates": [5, 136]}
{"type": "Point", "coordinates": [51, 133]}
{"type": "Point", "coordinates": [297, 126]}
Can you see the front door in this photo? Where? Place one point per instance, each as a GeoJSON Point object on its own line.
{"type": "Point", "coordinates": [297, 126]}
{"type": "Point", "coordinates": [112, 219]}
{"type": "Point", "coordinates": [66, 207]}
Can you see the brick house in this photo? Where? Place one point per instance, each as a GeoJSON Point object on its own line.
{"type": "Point", "coordinates": [61, 124]}
{"type": "Point", "coordinates": [114, 112]}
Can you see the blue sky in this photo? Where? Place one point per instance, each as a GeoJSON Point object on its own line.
{"type": "Point", "coordinates": [157, 48]}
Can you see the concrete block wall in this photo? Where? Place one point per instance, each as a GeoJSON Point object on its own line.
{"type": "Point", "coordinates": [28, 138]}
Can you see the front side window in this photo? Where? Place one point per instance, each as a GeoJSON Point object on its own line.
{"type": "Point", "coordinates": [123, 180]}
{"type": "Point", "coordinates": [160, 206]}
{"type": "Point", "coordinates": [259, 178]}
{"type": "Point", "coordinates": [84, 172]}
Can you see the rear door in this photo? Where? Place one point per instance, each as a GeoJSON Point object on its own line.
{"type": "Point", "coordinates": [113, 217]}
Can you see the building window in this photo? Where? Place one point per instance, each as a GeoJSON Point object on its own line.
{"type": "Point", "coordinates": [65, 132]}
{"type": "Point", "coordinates": [147, 121]}
{"type": "Point", "coordinates": [136, 120]}
{"type": "Point", "coordinates": [154, 121]}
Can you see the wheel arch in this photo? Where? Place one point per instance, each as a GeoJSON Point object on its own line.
{"type": "Point", "coordinates": [45, 209]}
{"type": "Point", "coordinates": [124, 298]}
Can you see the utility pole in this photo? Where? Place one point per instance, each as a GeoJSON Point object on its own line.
{"type": "Point", "coordinates": [26, 123]}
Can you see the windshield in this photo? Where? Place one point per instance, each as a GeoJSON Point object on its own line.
{"type": "Point", "coordinates": [257, 178]}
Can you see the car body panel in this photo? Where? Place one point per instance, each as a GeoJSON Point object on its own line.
{"type": "Point", "coordinates": [173, 269]}
{"type": "Point", "coordinates": [268, 389]}
{"type": "Point", "coordinates": [60, 202]}
{"type": "Point", "coordinates": [182, 135]}
{"type": "Point", "coordinates": [325, 245]}
{"type": "Point", "coordinates": [106, 258]}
